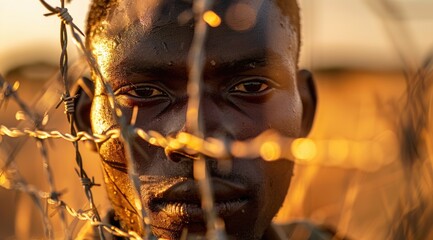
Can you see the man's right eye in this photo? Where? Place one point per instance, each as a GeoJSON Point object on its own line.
{"type": "Point", "coordinates": [141, 91]}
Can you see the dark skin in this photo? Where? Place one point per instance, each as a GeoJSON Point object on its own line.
{"type": "Point", "coordinates": [250, 84]}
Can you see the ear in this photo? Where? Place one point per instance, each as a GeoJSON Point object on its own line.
{"type": "Point", "coordinates": [84, 88]}
{"type": "Point", "coordinates": [307, 91]}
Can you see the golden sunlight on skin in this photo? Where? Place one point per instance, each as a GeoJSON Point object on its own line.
{"type": "Point", "coordinates": [103, 55]}
{"type": "Point", "coordinates": [270, 150]}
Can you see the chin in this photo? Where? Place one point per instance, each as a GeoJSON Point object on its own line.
{"type": "Point", "coordinates": [238, 224]}
{"type": "Point", "coordinates": [198, 231]}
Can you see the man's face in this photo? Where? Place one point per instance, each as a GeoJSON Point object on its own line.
{"type": "Point", "coordinates": [249, 86]}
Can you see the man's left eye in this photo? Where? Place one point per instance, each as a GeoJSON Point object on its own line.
{"type": "Point", "coordinates": [253, 86]}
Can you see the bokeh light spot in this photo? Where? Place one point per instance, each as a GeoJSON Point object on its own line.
{"type": "Point", "coordinates": [211, 18]}
{"type": "Point", "coordinates": [16, 86]}
{"type": "Point", "coordinates": [304, 149]}
{"type": "Point", "coordinates": [152, 141]}
{"type": "Point", "coordinates": [270, 151]}
{"type": "Point", "coordinates": [241, 17]}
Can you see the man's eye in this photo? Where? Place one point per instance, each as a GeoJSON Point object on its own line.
{"type": "Point", "coordinates": [138, 91]}
{"type": "Point", "coordinates": [251, 87]}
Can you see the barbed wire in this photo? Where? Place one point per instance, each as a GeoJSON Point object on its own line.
{"type": "Point", "coordinates": [67, 20]}
{"type": "Point", "coordinates": [269, 145]}
{"type": "Point", "coordinates": [40, 135]}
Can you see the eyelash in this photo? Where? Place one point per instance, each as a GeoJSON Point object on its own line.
{"type": "Point", "coordinates": [237, 88]}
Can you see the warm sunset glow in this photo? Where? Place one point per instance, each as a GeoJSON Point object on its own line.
{"type": "Point", "coordinates": [304, 149]}
{"type": "Point", "coordinates": [338, 149]}
{"type": "Point", "coordinates": [211, 18]}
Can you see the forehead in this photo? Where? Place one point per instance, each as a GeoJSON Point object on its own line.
{"type": "Point", "coordinates": [161, 32]}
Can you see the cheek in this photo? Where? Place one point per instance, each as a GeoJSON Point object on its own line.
{"type": "Point", "coordinates": [285, 115]}
{"type": "Point", "coordinates": [278, 177]}
{"type": "Point", "coordinates": [281, 112]}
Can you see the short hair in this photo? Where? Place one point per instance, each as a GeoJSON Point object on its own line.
{"type": "Point", "coordinates": [99, 9]}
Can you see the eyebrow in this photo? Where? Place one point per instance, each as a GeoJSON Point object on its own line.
{"type": "Point", "coordinates": [127, 68]}
{"type": "Point", "coordinates": [148, 68]}
{"type": "Point", "coordinates": [239, 66]}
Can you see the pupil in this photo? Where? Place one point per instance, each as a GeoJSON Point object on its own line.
{"type": "Point", "coordinates": [144, 92]}
{"type": "Point", "coordinates": [253, 87]}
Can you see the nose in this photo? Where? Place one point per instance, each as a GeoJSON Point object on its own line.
{"type": "Point", "coordinates": [212, 123]}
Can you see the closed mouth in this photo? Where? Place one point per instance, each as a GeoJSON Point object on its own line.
{"type": "Point", "coordinates": [194, 213]}
{"type": "Point", "coordinates": [182, 201]}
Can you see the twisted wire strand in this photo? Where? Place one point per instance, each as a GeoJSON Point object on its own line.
{"type": "Point", "coordinates": [84, 215]}
{"type": "Point", "coordinates": [214, 148]}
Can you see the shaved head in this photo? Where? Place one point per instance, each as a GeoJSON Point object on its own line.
{"type": "Point", "coordinates": [100, 9]}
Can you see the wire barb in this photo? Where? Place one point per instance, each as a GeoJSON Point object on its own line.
{"type": "Point", "coordinates": [69, 102]}
{"type": "Point", "coordinates": [64, 15]}
{"type": "Point", "coordinates": [89, 183]}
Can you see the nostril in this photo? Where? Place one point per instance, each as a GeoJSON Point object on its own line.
{"type": "Point", "coordinates": [177, 156]}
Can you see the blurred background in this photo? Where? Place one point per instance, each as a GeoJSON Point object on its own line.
{"type": "Point", "coordinates": [364, 55]}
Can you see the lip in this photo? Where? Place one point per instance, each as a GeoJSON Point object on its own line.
{"type": "Point", "coordinates": [183, 200]}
